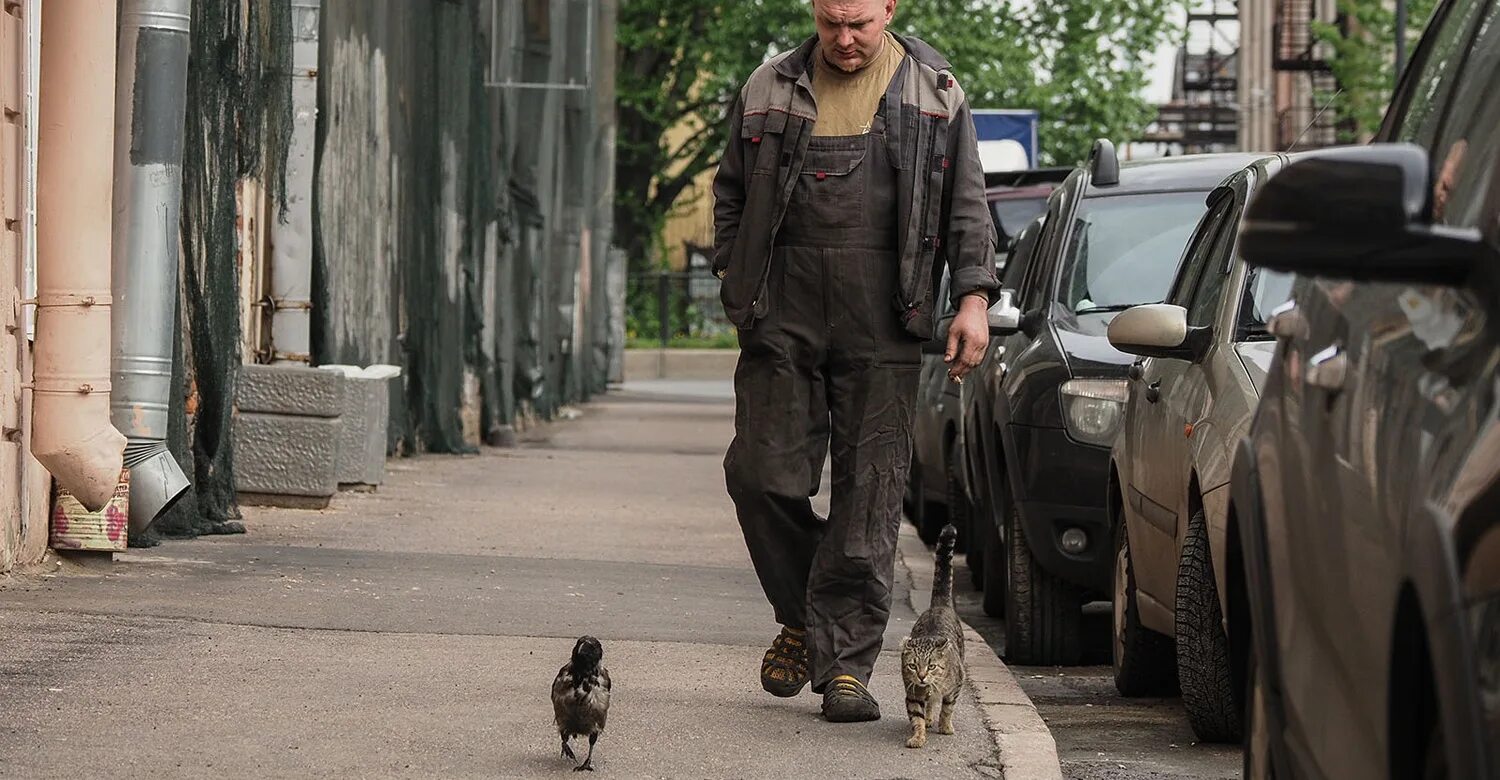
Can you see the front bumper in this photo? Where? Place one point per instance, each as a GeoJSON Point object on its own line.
{"type": "Point", "coordinates": [1061, 484]}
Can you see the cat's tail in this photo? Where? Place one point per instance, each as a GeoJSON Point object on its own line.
{"type": "Point", "coordinates": [942, 575]}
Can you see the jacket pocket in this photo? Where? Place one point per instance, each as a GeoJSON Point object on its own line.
{"type": "Point", "coordinates": [754, 131]}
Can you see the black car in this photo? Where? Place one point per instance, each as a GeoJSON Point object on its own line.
{"type": "Point", "coordinates": [1366, 498]}
{"type": "Point", "coordinates": [940, 491]}
{"type": "Point", "coordinates": [1112, 238]}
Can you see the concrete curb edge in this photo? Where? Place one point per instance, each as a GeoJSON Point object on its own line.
{"type": "Point", "coordinates": [1023, 743]}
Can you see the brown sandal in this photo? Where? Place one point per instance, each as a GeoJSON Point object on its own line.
{"type": "Point", "coordinates": [783, 671]}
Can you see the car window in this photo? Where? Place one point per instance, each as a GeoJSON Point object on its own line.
{"type": "Point", "coordinates": [1465, 157]}
{"type": "Point", "coordinates": [1025, 250]}
{"type": "Point", "coordinates": [1433, 83]}
{"type": "Point", "coordinates": [1124, 250]}
{"type": "Point", "coordinates": [1033, 289]}
{"type": "Point", "coordinates": [1210, 288]}
{"type": "Point", "coordinates": [1264, 291]}
{"type": "Point", "coordinates": [1012, 215]}
{"type": "Point", "coordinates": [1196, 255]}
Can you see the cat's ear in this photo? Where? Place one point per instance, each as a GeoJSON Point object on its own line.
{"type": "Point", "coordinates": [941, 643]}
{"type": "Point", "coordinates": [905, 642]}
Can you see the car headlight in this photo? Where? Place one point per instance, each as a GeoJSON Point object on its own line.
{"type": "Point", "coordinates": [1093, 409]}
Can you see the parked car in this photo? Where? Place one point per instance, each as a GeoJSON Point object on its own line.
{"type": "Point", "coordinates": [940, 488]}
{"type": "Point", "coordinates": [1366, 497]}
{"type": "Point", "coordinates": [1194, 389]}
{"type": "Point", "coordinates": [976, 398]}
{"type": "Point", "coordinates": [1112, 239]}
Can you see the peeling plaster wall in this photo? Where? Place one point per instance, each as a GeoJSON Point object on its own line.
{"type": "Point", "coordinates": [454, 217]}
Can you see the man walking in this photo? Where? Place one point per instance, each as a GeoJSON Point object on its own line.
{"type": "Point", "coordinates": [852, 171]}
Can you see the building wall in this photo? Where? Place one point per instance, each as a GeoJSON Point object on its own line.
{"type": "Point", "coordinates": [1257, 81]}
{"type": "Point", "coordinates": [23, 483]}
{"type": "Point", "coordinates": [692, 218]}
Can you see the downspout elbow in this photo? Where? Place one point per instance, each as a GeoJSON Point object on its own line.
{"type": "Point", "coordinates": [71, 431]}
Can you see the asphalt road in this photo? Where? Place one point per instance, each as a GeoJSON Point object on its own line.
{"type": "Point", "coordinates": [1100, 734]}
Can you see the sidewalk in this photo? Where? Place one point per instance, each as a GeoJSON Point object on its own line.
{"type": "Point", "coordinates": [415, 631]}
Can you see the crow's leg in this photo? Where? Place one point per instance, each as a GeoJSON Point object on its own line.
{"type": "Point", "coordinates": [588, 761]}
{"type": "Point", "coordinates": [568, 750]}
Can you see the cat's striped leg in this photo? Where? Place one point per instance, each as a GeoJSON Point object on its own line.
{"type": "Point", "coordinates": [916, 710]}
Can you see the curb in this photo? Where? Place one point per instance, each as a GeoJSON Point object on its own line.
{"type": "Point", "coordinates": [1023, 742]}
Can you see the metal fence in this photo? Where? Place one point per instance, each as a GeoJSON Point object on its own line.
{"type": "Point", "coordinates": [677, 308]}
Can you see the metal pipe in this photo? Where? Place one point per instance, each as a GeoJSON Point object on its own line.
{"type": "Point", "coordinates": [71, 433]}
{"type": "Point", "coordinates": [150, 105]}
{"type": "Point", "coordinates": [292, 232]}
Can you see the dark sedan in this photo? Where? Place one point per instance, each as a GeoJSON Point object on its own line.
{"type": "Point", "coordinates": [1366, 498]}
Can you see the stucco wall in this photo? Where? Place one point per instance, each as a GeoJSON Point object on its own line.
{"type": "Point", "coordinates": [23, 482]}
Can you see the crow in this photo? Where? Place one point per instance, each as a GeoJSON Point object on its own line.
{"type": "Point", "coordinates": [580, 698]}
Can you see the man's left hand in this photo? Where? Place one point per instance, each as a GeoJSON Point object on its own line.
{"type": "Point", "coordinates": [967, 337]}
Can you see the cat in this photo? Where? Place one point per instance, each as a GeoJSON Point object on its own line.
{"type": "Point", "coordinates": [932, 657]}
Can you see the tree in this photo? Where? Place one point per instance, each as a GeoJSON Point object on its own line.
{"type": "Point", "coordinates": [1363, 59]}
{"type": "Point", "coordinates": [1080, 62]}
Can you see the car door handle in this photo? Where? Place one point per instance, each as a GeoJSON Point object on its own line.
{"type": "Point", "coordinates": [1153, 391]}
{"type": "Point", "coordinates": [1328, 369]}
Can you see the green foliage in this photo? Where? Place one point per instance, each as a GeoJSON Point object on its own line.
{"type": "Point", "coordinates": [1080, 62]}
{"type": "Point", "coordinates": [1363, 57]}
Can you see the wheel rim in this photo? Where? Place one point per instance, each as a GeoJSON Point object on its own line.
{"type": "Point", "coordinates": [1121, 585]}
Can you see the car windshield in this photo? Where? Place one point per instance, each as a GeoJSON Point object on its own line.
{"type": "Point", "coordinates": [1264, 291]}
{"type": "Point", "coordinates": [1124, 250]}
{"type": "Point", "coordinates": [1012, 216]}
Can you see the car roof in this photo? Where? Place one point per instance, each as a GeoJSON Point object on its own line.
{"type": "Point", "coordinates": [1185, 173]}
{"type": "Point", "coordinates": [1020, 193]}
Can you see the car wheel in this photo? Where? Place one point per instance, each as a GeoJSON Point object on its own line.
{"type": "Point", "coordinates": [1214, 704]}
{"type": "Point", "coordinates": [1145, 662]}
{"type": "Point", "coordinates": [993, 556]}
{"type": "Point", "coordinates": [1043, 613]}
{"type": "Point", "coordinates": [1256, 764]}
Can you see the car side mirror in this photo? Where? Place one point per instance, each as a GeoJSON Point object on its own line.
{"type": "Point", "coordinates": [1158, 330]}
{"type": "Point", "coordinates": [1358, 213]}
{"type": "Point", "coordinates": [1004, 315]}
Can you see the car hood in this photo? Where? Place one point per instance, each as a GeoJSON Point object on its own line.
{"type": "Point", "coordinates": [1083, 338]}
{"type": "Point", "coordinates": [1256, 355]}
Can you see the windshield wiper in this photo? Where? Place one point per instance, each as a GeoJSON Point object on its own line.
{"type": "Point", "coordinates": [1110, 309]}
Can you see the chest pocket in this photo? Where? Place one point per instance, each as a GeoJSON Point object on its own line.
{"type": "Point", "coordinates": [762, 135]}
{"type": "Point", "coordinates": [831, 192]}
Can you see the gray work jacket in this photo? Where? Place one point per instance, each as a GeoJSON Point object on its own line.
{"type": "Point", "coordinates": [942, 212]}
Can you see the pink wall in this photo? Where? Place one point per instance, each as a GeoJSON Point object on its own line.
{"type": "Point", "coordinates": [23, 483]}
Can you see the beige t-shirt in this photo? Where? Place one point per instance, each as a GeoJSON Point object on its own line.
{"type": "Point", "coordinates": [847, 102]}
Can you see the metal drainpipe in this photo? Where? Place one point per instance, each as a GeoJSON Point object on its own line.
{"type": "Point", "coordinates": [292, 233]}
{"type": "Point", "coordinates": [150, 105]}
{"type": "Point", "coordinates": [71, 433]}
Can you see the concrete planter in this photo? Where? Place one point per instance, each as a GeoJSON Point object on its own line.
{"type": "Point", "coordinates": [363, 424]}
{"type": "Point", "coordinates": [286, 434]}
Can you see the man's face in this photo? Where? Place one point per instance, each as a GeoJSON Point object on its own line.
{"type": "Point", "coordinates": [852, 31]}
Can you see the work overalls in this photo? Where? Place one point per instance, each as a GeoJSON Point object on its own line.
{"type": "Point", "coordinates": [829, 364]}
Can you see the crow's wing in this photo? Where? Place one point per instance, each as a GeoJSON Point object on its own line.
{"type": "Point", "coordinates": [561, 686]}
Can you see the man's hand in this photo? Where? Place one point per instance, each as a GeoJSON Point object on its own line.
{"type": "Point", "coordinates": [967, 337]}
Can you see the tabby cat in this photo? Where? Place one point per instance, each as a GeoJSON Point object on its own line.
{"type": "Point", "coordinates": [932, 657]}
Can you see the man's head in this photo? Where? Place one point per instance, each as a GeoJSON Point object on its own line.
{"type": "Point", "coordinates": [852, 31]}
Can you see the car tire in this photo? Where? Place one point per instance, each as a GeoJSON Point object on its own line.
{"type": "Point", "coordinates": [1256, 763]}
{"type": "Point", "coordinates": [1043, 613]}
{"type": "Point", "coordinates": [993, 555]}
{"type": "Point", "coordinates": [1214, 704]}
{"type": "Point", "coordinates": [1145, 662]}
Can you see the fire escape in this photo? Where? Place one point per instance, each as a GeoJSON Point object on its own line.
{"type": "Point", "coordinates": [1305, 82]}
{"type": "Point", "coordinates": [1203, 115]}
